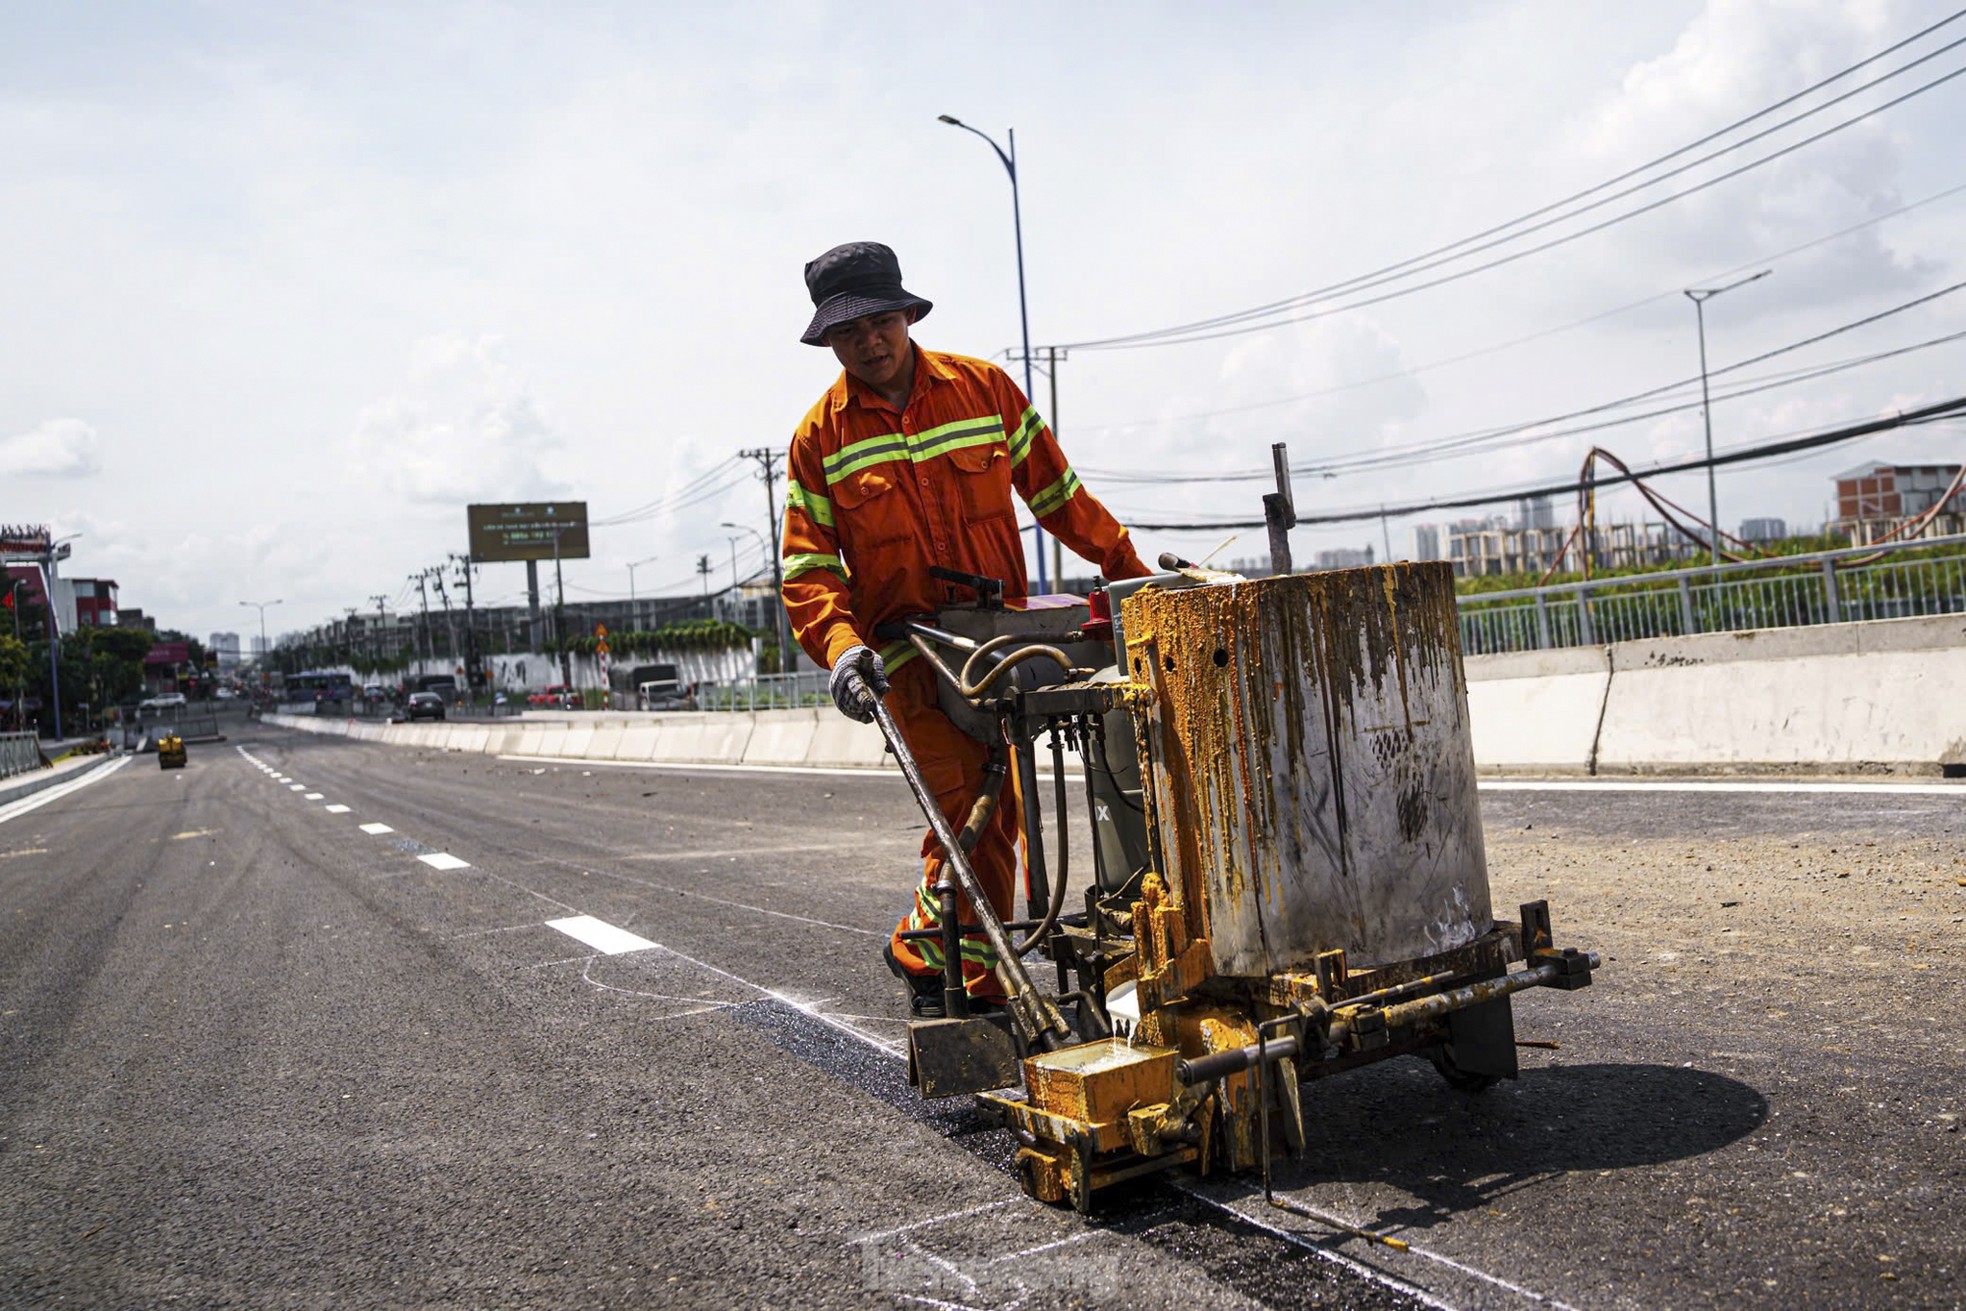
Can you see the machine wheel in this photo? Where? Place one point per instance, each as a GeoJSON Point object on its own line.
{"type": "Point", "coordinates": [1458, 1079]}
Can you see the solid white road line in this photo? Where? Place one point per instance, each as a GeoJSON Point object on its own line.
{"type": "Point", "coordinates": [374, 830]}
{"type": "Point", "coordinates": [15, 809]}
{"type": "Point", "coordinates": [337, 810]}
{"type": "Point", "coordinates": [443, 860]}
{"type": "Point", "coordinates": [600, 935]}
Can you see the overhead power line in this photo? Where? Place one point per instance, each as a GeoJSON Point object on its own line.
{"type": "Point", "coordinates": [694, 492]}
{"type": "Point", "coordinates": [1951, 409]}
{"type": "Point", "coordinates": [1498, 347]}
{"type": "Point", "coordinates": [1460, 441]}
{"type": "Point", "coordinates": [1246, 320]}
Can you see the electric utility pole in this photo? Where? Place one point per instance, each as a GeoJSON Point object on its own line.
{"type": "Point", "coordinates": [423, 628]}
{"type": "Point", "coordinates": [450, 628]}
{"type": "Point", "coordinates": [464, 567]}
{"type": "Point", "coordinates": [768, 463]}
{"type": "Point", "coordinates": [377, 644]}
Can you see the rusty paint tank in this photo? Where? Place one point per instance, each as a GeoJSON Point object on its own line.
{"type": "Point", "coordinates": [1310, 776]}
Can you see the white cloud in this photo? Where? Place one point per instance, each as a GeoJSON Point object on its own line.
{"type": "Point", "coordinates": [53, 448]}
{"type": "Point", "coordinates": [460, 428]}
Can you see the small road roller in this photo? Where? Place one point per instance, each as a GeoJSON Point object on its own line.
{"type": "Point", "coordinates": [170, 750]}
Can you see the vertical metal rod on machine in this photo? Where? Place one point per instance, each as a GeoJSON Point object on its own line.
{"type": "Point", "coordinates": [1280, 511]}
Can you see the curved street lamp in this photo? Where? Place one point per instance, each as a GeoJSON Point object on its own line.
{"type": "Point", "coordinates": [265, 653]}
{"type": "Point", "coordinates": [1009, 161]}
{"type": "Point", "coordinates": [1700, 296]}
{"type": "Point", "coordinates": [632, 565]}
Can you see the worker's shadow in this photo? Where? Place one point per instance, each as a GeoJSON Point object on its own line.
{"type": "Point", "coordinates": [1399, 1126]}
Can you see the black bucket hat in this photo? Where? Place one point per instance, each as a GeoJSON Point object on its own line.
{"type": "Point", "coordinates": [852, 281]}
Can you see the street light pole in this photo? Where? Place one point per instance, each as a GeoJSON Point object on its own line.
{"type": "Point", "coordinates": [265, 653]}
{"type": "Point", "coordinates": [1023, 312]}
{"type": "Point", "coordinates": [785, 659]}
{"type": "Point", "coordinates": [631, 584]}
{"type": "Point", "coordinates": [1700, 296]}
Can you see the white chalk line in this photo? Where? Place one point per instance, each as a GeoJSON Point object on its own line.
{"type": "Point", "coordinates": [1724, 785]}
{"type": "Point", "coordinates": [15, 809]}
{"type": "Point", "coordinates": [700, 1005]}
{"type": "Point", "coordinates": [736, 905]}
{"type": "Point", "coordinates": [935, 1220]}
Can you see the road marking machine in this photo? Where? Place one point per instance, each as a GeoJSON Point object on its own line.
{"type": "Point", "coordinates": [1288, 878]}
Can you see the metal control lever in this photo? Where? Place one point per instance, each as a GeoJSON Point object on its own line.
{"type": "Point", "coordinates": [989, 591]}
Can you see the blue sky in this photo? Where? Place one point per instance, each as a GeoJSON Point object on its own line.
{"type": "Point", "coordinates": [288, 285]}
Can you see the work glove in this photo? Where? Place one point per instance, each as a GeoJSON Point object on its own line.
{"type": "Point", "coordinates": [856, 673]}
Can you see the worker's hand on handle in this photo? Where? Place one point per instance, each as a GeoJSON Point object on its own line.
{"type": "Point", "coordinates": [858, 677]}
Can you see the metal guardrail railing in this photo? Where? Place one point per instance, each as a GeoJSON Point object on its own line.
{"type": "Point", "coordinates": [806, 688]}
{"type": "Point", "coordinates": [1791, 591]}
{"type": "Point", "coordinates": [19, 754]}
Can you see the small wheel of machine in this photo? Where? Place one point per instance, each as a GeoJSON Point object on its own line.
{"type": "Point", "coordinates": [1458, 1079]}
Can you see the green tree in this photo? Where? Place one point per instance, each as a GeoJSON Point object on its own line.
{"type": "Point", "coordinates": [13, 663]}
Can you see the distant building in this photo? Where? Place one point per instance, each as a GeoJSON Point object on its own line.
{"type": "Point", "coordinates": [1763, 530]}
{"type": "Point", "coordinates": [1482, 548]}
{"type": "Point", "coordinates": [1343, 558]}
{"type": "Point", "coordinates": [95, 602]}
{"type": "Point", "coordinates": [258, 646]}
{"type": "Point", "coordinates": [1895, 491]}
{"type": "Point", "coordinates": [226, 647]}
{"type": "Point", "coordinates": [1426, 541]}
{"type": "Point", "coordinates": [1535, 512]}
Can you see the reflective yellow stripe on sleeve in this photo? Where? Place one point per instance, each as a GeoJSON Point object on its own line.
{"type": "Point", "coordinates": [1054, 497]}
{"type": "Point", "coordinates": [817, 507]}
{"type": "Point", "coordinates": [806, 561]}
{"type": "Point", "coordinates": [1027, 431]}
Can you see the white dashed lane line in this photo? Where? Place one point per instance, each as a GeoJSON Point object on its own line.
{"type": "Point", "coordinates": [443, 860]}
{"type": "Point", "coordinates": [312, 796]}
{"type": "Point", "coordinates": [374, 830]}
{"type": "Point", "coordinates": [599, 934]}
{"type": "Point", "coordinates": [337, 810]}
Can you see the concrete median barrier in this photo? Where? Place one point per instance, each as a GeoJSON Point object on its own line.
{"type": "Point", "coordinates": [1538, 711]}
{"type": "Point", "coordinates": [1877, 697]}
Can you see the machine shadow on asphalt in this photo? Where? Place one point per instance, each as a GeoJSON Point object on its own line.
{"type": "Point", "coordinates": [1393, 1126]}
{"type": "Point", "coordinates": [1396, 1127]}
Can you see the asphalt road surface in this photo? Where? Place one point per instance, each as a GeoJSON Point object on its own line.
{"type": "Point", "coordinates": [315, 1023]}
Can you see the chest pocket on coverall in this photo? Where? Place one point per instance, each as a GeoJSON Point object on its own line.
{"type": "Point", "coordinates": [983, 478]}
{"type": "Point", "coordinates": [874, 513]}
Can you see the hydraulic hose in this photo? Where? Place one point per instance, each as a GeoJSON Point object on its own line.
{"type": "Point", "coordinates": [1051, 913]}
{"type": "Point", "coordinates": [972, 690]}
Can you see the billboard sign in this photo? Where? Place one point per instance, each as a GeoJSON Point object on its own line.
{"type": "Point", "coordinates": [528, 532]}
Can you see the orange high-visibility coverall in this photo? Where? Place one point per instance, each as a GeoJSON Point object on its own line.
{"type": "Point", "coordinates": [876, 498]}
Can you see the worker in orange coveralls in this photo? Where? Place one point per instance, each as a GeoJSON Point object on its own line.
{"type": "Point", "coordinates": [907, 462]}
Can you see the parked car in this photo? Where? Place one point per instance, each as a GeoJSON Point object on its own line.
{"type": "Point", "coordinates": [424, 705]}
{"type": "Point", "coordinates": [557, 696]}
